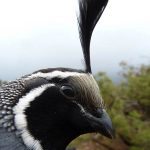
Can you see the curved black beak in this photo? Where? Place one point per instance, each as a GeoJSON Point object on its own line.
{"type": "Point", "coordinates": [107, 127]}
{"type": "Point", "coordinates": [102, 123]}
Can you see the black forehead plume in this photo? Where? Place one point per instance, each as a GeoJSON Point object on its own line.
{"type": "Point", "coordinates": [89, 13]}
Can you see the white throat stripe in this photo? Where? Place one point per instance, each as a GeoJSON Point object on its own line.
{"type": "Point", "coordinates": [20, 117]}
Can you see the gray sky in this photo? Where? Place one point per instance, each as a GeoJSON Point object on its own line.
{"type": "Point", "coordinates": [37, 34]}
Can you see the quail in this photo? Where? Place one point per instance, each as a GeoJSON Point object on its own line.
{"type": "Point", "coordinates": [47, 109]}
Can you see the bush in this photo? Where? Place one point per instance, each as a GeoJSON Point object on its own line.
{"type": "Point", "coordinates": [131, 105]}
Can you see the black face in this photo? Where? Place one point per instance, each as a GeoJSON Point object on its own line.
{"type": "Point", "coordinates": [51, 117]}
{"type": "Point", "coordinates": [55, 118]}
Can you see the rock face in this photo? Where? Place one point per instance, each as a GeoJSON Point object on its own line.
{"type": "Point", "coordinates": [101, 143]}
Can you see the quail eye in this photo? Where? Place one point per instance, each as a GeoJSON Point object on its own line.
{"type": "Point", "coordinates": [67, 91]}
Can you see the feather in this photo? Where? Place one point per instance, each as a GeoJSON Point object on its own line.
{"type": "Point", "coordinates": [9, 141]}
{"type": "Point", "coordinates": [89, 13]}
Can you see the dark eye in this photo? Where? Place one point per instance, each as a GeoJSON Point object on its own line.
{"type": "Point", "coordinates": [67, 91]}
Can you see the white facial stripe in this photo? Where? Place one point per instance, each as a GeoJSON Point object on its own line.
{"type": "Point", "coordinates": [53, 74]}
{"type": "Point", "coordinates": [20, 117]}
{"type": "Point", "coordinates": [86, 113]}
{"type": "Point", "coordinates": [81, 107]}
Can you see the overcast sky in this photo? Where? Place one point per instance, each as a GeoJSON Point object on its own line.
{"type": "Point", "coordinates": [37, 34]}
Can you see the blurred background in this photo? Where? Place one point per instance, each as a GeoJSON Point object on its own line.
{"type": "Point", "coordinates": [37, 34]}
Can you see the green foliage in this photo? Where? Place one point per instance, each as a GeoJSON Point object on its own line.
{"type": "Point", "coordinates": [2, 82]}
{"type": "Point", "coordinates": [131, 105]}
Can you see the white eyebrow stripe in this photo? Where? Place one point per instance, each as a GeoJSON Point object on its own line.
{"type": "Point", "coordinates": [53, 74]}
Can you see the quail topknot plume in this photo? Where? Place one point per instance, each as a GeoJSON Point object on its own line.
{"type": "Point", "coordinates": [49, 108]}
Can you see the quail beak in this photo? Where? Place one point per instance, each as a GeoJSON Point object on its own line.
{"type": "Point", "coordinates": [102, 124]}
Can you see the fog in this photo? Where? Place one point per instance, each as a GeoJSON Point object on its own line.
{"type": "Point", "coordinates": [37, 34]}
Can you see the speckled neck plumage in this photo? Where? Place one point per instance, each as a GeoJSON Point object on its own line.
{"type": "Point", "coordinates": [9, 96]}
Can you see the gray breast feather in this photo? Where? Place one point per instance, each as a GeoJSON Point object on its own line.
{"type": "Point", "coordinates": [9, 141]}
